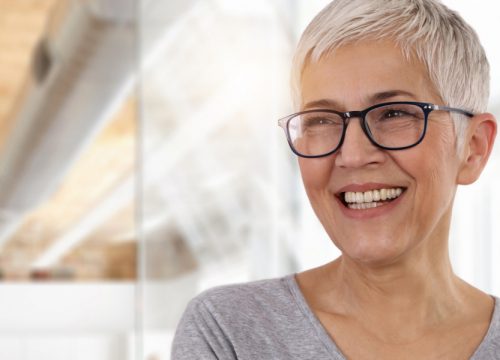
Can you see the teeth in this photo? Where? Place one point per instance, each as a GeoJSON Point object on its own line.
{"type": "Point", "coordinates": [364, 205]}
{"type": "Point", "coordinates": [369, 199]}
{"type": "Point", "coordinates": [383, 194]}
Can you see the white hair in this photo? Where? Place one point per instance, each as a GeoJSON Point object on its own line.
{"type": "Point", "coordinates": [438, 37]}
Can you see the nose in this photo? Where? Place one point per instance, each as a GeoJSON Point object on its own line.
{"type": "Point", "coordinates": [357, 150]}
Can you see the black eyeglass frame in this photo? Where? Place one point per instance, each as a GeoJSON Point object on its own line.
{"type": "Point", "coordinates": [427, 108]}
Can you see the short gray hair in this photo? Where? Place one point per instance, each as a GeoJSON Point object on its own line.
{"type": "Point", "coordinates": [439, 37]}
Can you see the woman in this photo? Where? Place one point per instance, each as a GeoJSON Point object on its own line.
{"type": "Point", "coordinates": [392, 98]}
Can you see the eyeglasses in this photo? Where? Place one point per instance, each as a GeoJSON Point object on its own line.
{"type": "Point", "coordinates": [390, 126]}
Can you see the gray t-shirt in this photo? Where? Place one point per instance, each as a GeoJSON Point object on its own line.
{"type": "Point", "coordinates": [270, 319]}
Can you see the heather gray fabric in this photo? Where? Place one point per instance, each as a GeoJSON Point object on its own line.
{"type": "Point", "coordinates": [270, 319]}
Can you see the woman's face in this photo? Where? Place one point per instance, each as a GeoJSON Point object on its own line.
{"type": "Point", "coordinates": [354, 78]}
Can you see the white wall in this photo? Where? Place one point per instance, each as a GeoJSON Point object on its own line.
{"type": "Point", "coordinates": [52, 321]}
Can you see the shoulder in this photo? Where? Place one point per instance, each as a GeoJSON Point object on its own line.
{"type": "Point", "coordinates": [231, 319]}
{"type": "Point", "coordinates": [257, 296]}
{"type": "Point", "coordinates": [490, 346]}
{"type": "Point", "coordinates": [494, 329]}
{"type": "Point", "coordinates": [266, 288]}
{"type": "Point", "coordinates": [258, 307]}
{"type": "Point", "coordinates": [258, 320]}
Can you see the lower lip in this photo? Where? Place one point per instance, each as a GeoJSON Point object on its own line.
{"type": "Point", "coordinates": [372, 212]}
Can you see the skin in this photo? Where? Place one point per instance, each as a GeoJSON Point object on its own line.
{"type": "Point", "coordinates": [392, 294]}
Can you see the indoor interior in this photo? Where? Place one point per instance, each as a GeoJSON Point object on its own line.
{"type": "Point", "coordinates": [141, 163]}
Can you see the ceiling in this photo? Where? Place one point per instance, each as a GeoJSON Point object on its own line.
{"type": "Point", "coordinates": [21, 25]}
{"type": "Point", "coordinates": [104, 164]}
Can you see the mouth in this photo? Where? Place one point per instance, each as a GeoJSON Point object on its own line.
{"type": "Point", "coordinates": [370, 199]}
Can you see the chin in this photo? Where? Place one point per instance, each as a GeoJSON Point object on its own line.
{"type": "Point", "coordinates": [373, 252]}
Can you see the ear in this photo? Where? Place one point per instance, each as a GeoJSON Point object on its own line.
{"type": "Point", "coordinates": [478, 144]}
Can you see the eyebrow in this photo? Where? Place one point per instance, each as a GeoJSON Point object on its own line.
{"type": "Point", "coordinates": [385, 95]}
{"type": "Point", "coordinates": [372, 99]}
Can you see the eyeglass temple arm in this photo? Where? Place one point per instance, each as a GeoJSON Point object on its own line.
{"type": "Point", "coordinates": [282, 121]}
{"type": "Point", "coordinates": [451, 109]}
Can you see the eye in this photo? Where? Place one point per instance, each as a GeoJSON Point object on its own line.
{"type": "Point", "coordinates": [321, 120]}
{"type": "Point", "coordinates": [396, 113]}
{"type": "Point", "coordinates": [317, 121]}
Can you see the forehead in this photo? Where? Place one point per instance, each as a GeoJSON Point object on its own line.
{"type": "Point", "coordinates": [352, 74]}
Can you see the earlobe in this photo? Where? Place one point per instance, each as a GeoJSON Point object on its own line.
{"type": "Point", "coordinates": [477, 147]}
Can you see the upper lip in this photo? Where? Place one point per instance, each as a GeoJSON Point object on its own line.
{"type": "Point", "coordinates": [366, 187]}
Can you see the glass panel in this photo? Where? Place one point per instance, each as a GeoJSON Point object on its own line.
{"type": "Point", "coordinates": [67, 160]}
{"type": "Point", "coordinates": [218, 183]}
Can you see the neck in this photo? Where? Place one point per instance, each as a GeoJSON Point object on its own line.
{"type": "Point", "coordinates": [396, 285]}
{"type": "Point", "coordinates": [421, 291]}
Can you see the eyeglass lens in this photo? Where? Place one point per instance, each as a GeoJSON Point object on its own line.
{"type": "Point", "coordinates": [391, 126]}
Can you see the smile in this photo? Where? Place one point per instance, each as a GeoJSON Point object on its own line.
{"type": "Point", "coordinates": [371, 198]}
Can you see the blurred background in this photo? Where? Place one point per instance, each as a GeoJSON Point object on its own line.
{"type": "Point", "coordinates": [141, 163]}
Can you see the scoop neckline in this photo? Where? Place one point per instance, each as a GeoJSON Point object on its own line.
{"type": "Point", "coordinates": [332, 347]}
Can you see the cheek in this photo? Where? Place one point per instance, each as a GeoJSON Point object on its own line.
{"type": "Point", "coordinates": [433, 168]}
{"type": "Point", "coordinates": [442, 160]}
{"type": "Point", "coordinates": [316, 173]}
